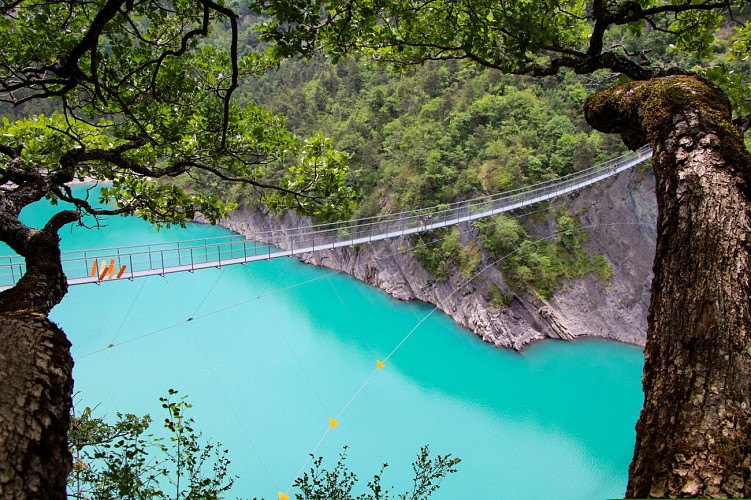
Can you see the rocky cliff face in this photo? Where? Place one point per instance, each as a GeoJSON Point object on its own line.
{"type": "Point", "coordinates": [620, 216]}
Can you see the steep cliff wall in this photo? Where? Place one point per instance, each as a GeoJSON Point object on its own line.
{"type": "Point", "coordinates": [620, 215]}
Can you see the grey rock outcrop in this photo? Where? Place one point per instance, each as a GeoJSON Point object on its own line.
{"type": "Point", "coordinates": [619, 214]}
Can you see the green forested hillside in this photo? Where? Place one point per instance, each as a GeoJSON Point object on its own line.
{"type": "Point", "coordinates": [439, 132]}
{"type": "Point", "coordinates": [444, 132]}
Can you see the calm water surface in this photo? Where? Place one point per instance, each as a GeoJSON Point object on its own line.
{"type": "Point", "coordinates": [276, 348]}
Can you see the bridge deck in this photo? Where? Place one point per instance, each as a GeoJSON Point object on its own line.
{"type": "Point", "coordinates": [93, 266]}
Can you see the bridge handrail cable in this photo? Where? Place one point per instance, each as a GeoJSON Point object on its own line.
{"type": "Point", "coordinates": [202, 252]}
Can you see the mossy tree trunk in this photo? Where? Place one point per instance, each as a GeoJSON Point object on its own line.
{"type": "Point", "coordinates": [694, 433]}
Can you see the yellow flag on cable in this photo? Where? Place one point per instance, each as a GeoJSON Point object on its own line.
{"type": "Point", "coordinates": [379, 364]}
{"type": "Point", "coordinates": [333, 422]}
{"type": "Point", "coordinates": [282, 496]}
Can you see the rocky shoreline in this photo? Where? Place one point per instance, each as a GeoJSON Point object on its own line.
{"type": "Point", "coordinates": [620, 215]}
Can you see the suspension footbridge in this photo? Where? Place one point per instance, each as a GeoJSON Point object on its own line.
{"type": "Point", "coordinates": [105, 264]}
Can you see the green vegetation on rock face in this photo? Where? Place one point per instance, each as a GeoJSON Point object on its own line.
{"type": "Point", "coordinates": [442, 252]}
{"type": "Point", "coordinates": [527, 261]}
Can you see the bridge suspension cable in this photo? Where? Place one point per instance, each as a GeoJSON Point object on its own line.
{"type": "Point", "coordinates": [97, 265]}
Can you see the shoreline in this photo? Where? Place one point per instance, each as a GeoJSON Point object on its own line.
{"type": "Point", "coordinates": [86, 180]}
{"type": "Point", "coordinates": [581, 309]}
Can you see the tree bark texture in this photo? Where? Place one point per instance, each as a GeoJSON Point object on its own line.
{"type": "Point", "coordinates": [694, 432]}
{"type": "Point", "coordinates": [35, 401]}
{"type": "Point", "coordinates": [44, 283]}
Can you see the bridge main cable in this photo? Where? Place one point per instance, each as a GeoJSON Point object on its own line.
{"type": "Point", "coordinates": [97, 265]}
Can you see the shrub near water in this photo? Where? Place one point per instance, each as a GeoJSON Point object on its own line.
{"type": "Point", "coordinates": [122, 460]}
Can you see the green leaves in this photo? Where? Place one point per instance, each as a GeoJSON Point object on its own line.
{"type": "Point", "coordinates": [121, 460]}
{"type": "Point", "coordinates": [141, 96]}
{"type": "Point", "coordinates": [162, 204]}
{"type": "Point", "coordinates": [322, 173]}
{"type": "Point", "coordinates": [695, 31]}
{"type": "Point", "coordinates": [111, 460]}
{"type": "Point", "coordinates": [502, 35]}
{"type": "Point", "coordinates": [39, 139]}
{"type": "Point", "coordinates": [337, 484]}
{"type": "Point", "coordinates": [519, 36]}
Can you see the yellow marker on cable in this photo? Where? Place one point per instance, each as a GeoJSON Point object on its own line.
{"type": "Point", "coordinates": [333, 422]}
{"type": "Point", "coordinates": [379, 364]}
{"type": "Point", "coordinates": [282, 496]}
{"type": "Point", "coordinates": [111, 268]}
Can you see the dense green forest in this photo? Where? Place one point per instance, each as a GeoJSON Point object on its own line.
{"type": "Point", "coordinates": [449, 131]}
{"type": "Point", "coordinates": [438, 133]}
{"type": "Point", "coordinates": [443, 132]}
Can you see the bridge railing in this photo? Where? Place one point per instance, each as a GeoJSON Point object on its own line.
{"type": "Point", "coordinates": [131, 261]}
{"type": "Point", "coordinates": [324, 235]}
{"type": "Point", "coordinates": [134, 260]}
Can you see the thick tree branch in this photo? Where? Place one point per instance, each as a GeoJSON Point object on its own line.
{"type": "Point", "coordinates": [13, 232]}
{"type": "Point", "coordinates": [9, 151]}
{"type": "Point", "coordinates": [743, 123]}
{"type": "Point", "coordinates": [235, 71]}
{"type": "Point", "coordinates": [674, 9]}
{"type": "Point", "coordinates": [61, 219]}
{"type": "Point", "coordinates": [90, 41]}
{"type": "Point", "coordinates": [607, 60]}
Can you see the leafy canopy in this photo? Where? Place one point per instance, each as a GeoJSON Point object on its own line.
{"type": "Point", "coordinates": [132, 93]}
{"type": "Point", "coordinates": [126, 460]}
{"type": "Point", "coordinates": [517, 36]}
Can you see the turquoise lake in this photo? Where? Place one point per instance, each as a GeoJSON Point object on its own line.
{"type": "Point", "coordinates": [276, 348]}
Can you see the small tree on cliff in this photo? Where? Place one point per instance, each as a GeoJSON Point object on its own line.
{"type": "Point", "coordinates": [694, 433]}
{"type": "Point", "coordinates": [134, 93]}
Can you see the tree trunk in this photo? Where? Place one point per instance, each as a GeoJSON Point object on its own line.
{"type": "Point", "coordinates": [35, 401]}
{"type": "Point", "coordinates": [44, 283]}
{"type": "Point", "coordinates": [693, 438]}
{"type": "Point", "coordinates": [35, 363]}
